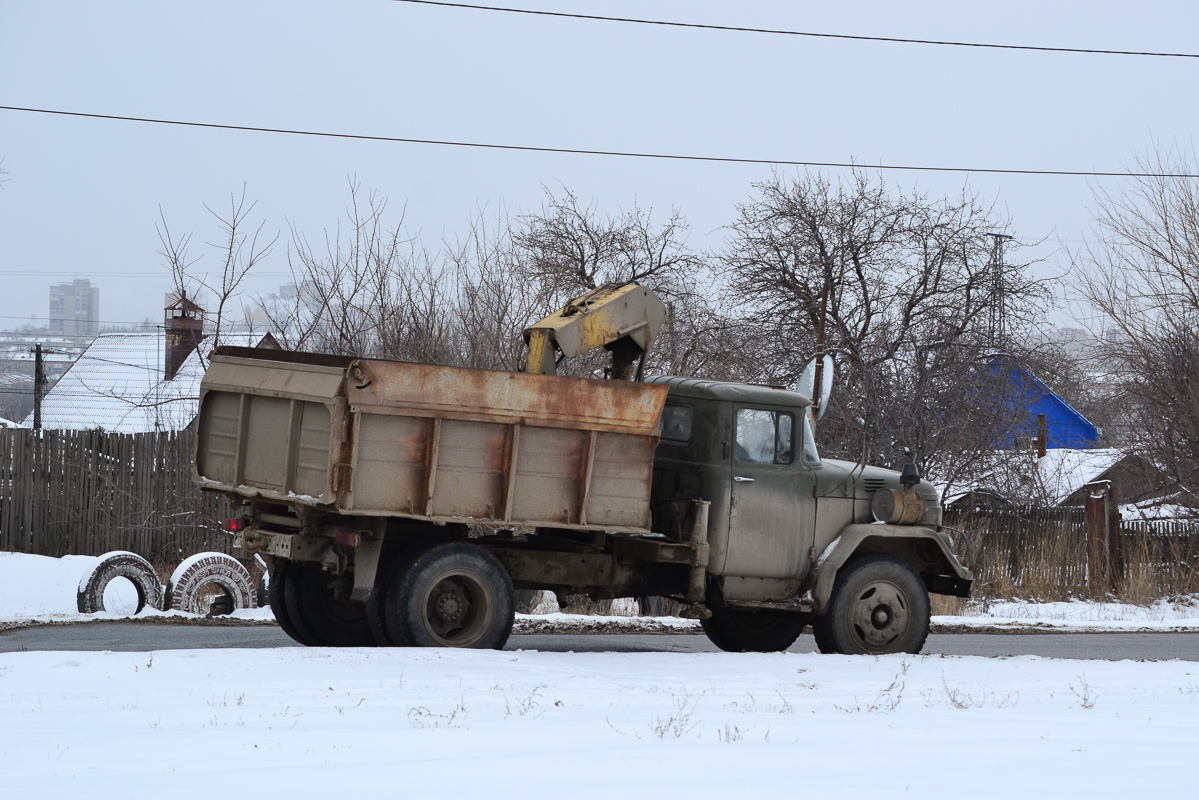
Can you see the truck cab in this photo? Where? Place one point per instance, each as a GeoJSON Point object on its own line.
{"type": "Point", "coordinates": [781, 515]}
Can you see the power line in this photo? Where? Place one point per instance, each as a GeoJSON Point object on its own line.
{"type": "Point", "coordinates": [98, 321]}
{"type": "Point", "coordinates": [615, 153]}
{"type": "Point", "coordinates": [810, 34]}
{"type": "Point", "coordinates": [106, 274]}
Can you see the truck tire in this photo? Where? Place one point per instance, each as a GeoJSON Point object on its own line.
{"type": "Point", "coordinates": [376, 605]}
{"type": "Point", "coordinates": [744, 631]}
{"type": "Point", "coordinates": [824, 642]}
{"type": "Point", "coordinates": [321, 616]}
{"type": "Point", "coordinates": [878, 606]}
{"type": "Point", "coordinates": [119, 564]}
{"type": "Point", "coordinates": [451, 595]}
{"type": "Point", "coordinates": [278, 605]}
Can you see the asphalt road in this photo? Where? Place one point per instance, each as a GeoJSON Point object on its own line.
{"type": "Point", "coordinates": [141, 637]}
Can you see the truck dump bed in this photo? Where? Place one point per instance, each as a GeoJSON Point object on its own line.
{"type": "Point", "coordinates": [447, 444]}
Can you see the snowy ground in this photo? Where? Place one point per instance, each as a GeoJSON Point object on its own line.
{"type": "Point", "coordinates": [1077, 617]}
{"type": "Point", "coordinates": [437, 723]}
{"type": "Point", "coordinates": [446, 724]}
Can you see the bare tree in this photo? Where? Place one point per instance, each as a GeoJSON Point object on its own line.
{"type": "Point", "coordinates": [369, 291]}
{"type": "Point", "coordinates": [1142, 276]}
{"type": "Point", "coordinates": [240, 246]}
{"type": "Point", "coordinates": [568, 248]}
{"type": "Point", "coordinates": [494, 299]}
{"type": "Point", "coordinates": [908, 279]}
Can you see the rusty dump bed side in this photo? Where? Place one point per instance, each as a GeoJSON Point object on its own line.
{"type": "Point", "coordinates": [447, 444]}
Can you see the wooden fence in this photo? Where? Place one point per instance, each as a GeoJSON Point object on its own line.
{"type": "Point", "coordinates": [1041, 554]}
{"type": "Point", "coordinates": [89, 492]}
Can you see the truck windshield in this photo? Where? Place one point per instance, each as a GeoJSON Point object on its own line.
{"type": "Point", "coordinates": [764, 437]}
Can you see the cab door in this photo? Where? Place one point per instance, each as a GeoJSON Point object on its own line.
{"type": "Point", "coordinates": [771, 513]}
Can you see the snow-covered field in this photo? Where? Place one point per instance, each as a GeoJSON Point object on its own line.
{"type": "Point", "coordinates": [446, 724]}
{"type": "Point", "coordinates": [449, 724]}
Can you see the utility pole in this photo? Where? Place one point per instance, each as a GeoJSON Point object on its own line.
{"type": "Point", "coordinates": [997, 319]}
{"type": "Point", "coordinates": [818, 374]}
{"type": "Point", "coordinates": [39, 376]}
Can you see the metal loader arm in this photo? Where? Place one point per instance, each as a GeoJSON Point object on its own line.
{"type": "Point", "coordinates": [621, 318]}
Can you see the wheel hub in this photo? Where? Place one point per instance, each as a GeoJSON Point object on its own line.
{"type": "Point", "coordinates": [879, 615]}
{"type": "Point", "coordinates": [449, 608]}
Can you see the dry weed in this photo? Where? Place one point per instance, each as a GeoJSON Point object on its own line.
{"type": "Point", "coordinates": [678, 724]}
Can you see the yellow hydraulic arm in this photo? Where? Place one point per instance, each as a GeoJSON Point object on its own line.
{"type": "Point", "coordinates": [621, 318]}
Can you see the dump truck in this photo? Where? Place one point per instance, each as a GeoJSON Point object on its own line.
{"type": "Point", "coordinates": [405, 504]}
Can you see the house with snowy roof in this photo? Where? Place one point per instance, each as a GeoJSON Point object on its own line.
{"type": "Point", "coordinates": [1058, 477]}
{"type": "Point", "coordinates": [138, 382]}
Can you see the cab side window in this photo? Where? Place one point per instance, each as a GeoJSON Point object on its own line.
{"type": "Point", "coordinates": [764, 437]}
{"type": "Point", "coordinates": [675, 423]}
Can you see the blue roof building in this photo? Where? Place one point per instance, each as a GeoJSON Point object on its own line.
{"type": "Point", "coordinates": [1066, 428]}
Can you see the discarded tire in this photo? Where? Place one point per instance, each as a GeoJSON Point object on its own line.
{"type": "Point", "coordinates": [211, 570]}
{"type": "Point", "coordinates": [120, 564]}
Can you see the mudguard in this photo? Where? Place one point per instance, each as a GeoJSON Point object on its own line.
{"type": "Point", "coordinates": [925, 550]}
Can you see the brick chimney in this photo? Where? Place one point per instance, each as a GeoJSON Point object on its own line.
{"type": "Point", "coordinates": [184, 322]}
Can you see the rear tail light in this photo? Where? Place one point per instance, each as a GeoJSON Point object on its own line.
{"type": "Point", "coordinates": [237, 524]}
{"type": "Point", "coordinates": [348, 538]}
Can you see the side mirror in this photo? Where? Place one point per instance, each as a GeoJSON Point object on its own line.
{"type": "Point", "coordinates": [817, 394]}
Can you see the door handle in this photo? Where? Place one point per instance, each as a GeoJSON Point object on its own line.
{"type": "Point", "coordinates": [741, 479]}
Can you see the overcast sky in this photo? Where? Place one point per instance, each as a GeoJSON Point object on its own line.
{"type": "Point", "coordinates": [83, 195]}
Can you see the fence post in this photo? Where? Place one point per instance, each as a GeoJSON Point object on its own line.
{"type": "Point", "coordinates": [1115, 541]}
{"type": "Point", "coordinates": [1099, 515]}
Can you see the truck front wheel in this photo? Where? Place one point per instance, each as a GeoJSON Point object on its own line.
{"type": "Point", "coordinates": [879, 605]}
{"type": "Point", "coordinates": [744, 631]}
{"type": "Point", "coordinates": [451, 595]}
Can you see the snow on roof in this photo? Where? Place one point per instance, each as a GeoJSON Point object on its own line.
{"type": "Point", "coordinates": [1010, 474]}
{"type": "Point", "coordinates": [117, 384]}
{"type": "Point", "coordinates": [1064, 472]}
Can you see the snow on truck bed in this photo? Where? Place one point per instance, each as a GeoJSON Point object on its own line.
{"type": "Point", "coordinates": [449, 724]}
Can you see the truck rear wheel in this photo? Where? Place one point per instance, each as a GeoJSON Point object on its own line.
{"type": "Point", "coordinates": [745, 631]}
{"type": "Point", "coordinates": [322, 612]}
{"type": "Point", "coordinates": [451, 595]}
{"type": "Point", "coordinates": [879, 605]}
{"type": "Point", "coordinates": [278, 605]}
{"type": "Point", "coordinates": [390, 570]}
